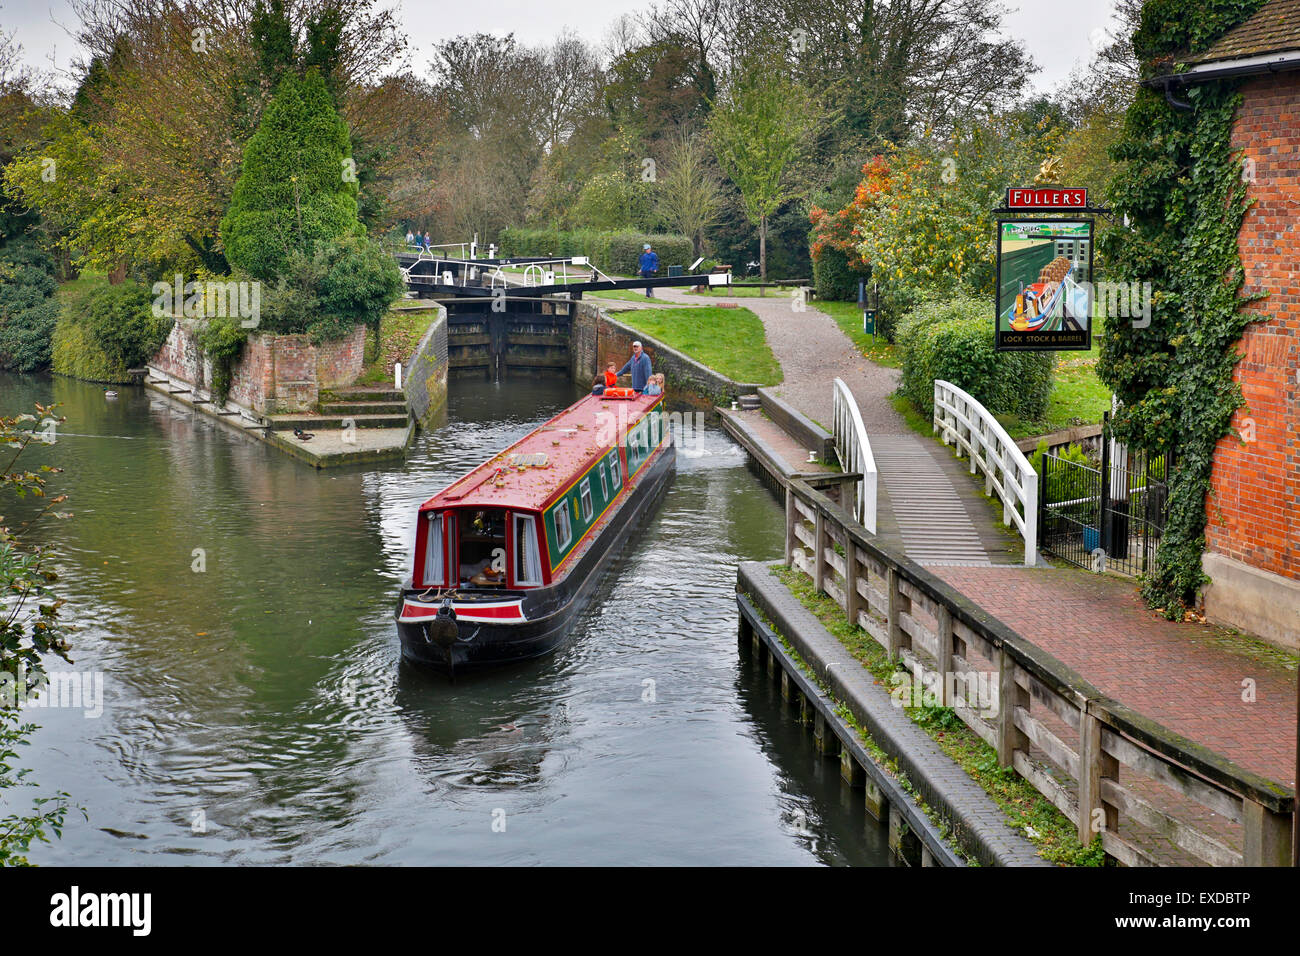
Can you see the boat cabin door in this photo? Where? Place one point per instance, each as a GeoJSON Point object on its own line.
{"type": "Point", "coordinates": [481, 547]}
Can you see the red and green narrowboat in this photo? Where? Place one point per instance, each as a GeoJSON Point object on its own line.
{"type": "Point", "coordinates": [507, 555]}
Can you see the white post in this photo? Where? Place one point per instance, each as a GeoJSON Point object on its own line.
{"type": "Point", "coordinates": [1031, 517]}
{"type": "Point", "coordinates": [397, 375]}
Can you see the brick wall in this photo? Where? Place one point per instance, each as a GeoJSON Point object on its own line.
{"type": "Point", "coordinates": [1254, 504]}
{"type": "Point", "coordinates": [426, 373]}
{"type": "Point", "coordinates": [597, 340]}
{"type": "Point", "coordinates": [275, 374]}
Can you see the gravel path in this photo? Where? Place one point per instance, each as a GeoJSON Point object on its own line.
{"type": "Point", "coordinates": [813, 352]}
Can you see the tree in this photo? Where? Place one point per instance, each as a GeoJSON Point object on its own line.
{"type": "Point", "coordinates": [293, 193]}
{"type": "Point", "coordinates": [169, 95]}
{"type": "Point", "coordinates": [760, 127]}
{"type": "Point", "coordinates": [689, 192]}
{"type": "Point", "coordinates": [892, 67]}
{"type": "Point", "coordinates": [922, 212]}
{"type": "Point", "coordinates": [651, 88]}
{"type": "Point", "coordinates": [28, 310]}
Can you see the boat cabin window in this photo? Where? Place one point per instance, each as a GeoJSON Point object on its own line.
{"type": "Point", "coordinates": [434, 573]}
{"type": "Point", "coordinates": [528, 559]}
{"type": "Point", "coordinates": [613, 469]}
{"type": "Point", "coordinates": [482, 547]}
{"type": "Point", "coordinates": [563, 532]}
{"type": "Point", "coordinates": [604, 482]}
{"type": "Point", "coordinates": [584, 491]}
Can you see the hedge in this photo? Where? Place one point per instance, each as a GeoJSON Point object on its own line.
{"type": "Point", "coordinates": [75, 352]}
{"type": "Point", "coordinates": [832, 276]}
{"type": "Point", "coordinates": [121, 322]}
{"type": "Point", "coordinates": [953, 340]}
{"type": "Point", "coordinates": [616, 253]}
{"type": "Point", "coordinates": [28, 308]}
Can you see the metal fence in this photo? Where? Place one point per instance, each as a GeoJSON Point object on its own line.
{"type": "Point", "coordinates": [1109, 515]}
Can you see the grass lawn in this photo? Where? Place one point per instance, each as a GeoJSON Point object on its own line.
{"type": "Point", "coordinates": [848, 316]}
{"type": "Point", "coordinates": [730, 341]}
{"type": "Point", "coordinates": [76, 290]}
{"type": "Point", "coordinates": [400, 331]}
{"type": "Point", "coordinates": [623, 295]}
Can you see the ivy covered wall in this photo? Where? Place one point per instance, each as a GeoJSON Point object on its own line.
{"type": "Point", "coordinates": [1184, 194]}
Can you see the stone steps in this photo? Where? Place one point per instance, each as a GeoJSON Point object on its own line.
{"type": "Point", "coordinates": [313, 423]}
{"type": "Point", "coordinates": [363, 408]}
{"type": "Point", "coordinates": [362, 394]}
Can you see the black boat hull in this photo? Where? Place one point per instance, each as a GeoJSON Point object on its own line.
{"type": "Point", "coordinates": [549, 612]}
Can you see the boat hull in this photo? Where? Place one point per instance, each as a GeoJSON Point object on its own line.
{"type": "Point", "coordinates": [544, 615]}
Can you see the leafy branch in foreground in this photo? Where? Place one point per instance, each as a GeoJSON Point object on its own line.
{"type": "Point", "coordinates": [30, 629]}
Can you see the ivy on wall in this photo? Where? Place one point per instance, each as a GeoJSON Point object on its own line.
{"type": "Point", "coordinates": [1182, 189]}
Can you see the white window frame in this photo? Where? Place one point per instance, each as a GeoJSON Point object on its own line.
{"type": "Point", "coordinates": [436, 534]}
{"type": "Point", "coordinates": [588, 506]}
{"type": "Point", "coordinates": [526, 545]}
{"type": "Point", "coordinates": [563, 537]}
{"type": "Point", "coordinates": [604, 481]}
{"type": "Point", "coordinates": [616, 476]}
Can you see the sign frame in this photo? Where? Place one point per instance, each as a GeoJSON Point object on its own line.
{"type": "Point", "coordinates": [1047, 198]}
{"type": "Point", "coordinates": [1000, 343]}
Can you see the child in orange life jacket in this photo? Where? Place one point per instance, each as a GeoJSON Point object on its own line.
{"type": "Point", "coordinates": [611, 379]}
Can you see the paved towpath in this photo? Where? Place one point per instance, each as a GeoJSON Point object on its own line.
{"type": "Point", "coordinates": [1189, 677]}
{"type": "Point", "coordinates": [938, 515]}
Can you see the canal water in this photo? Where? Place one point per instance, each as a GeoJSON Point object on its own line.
{"type": "Point", "coordinates": [238, 606]}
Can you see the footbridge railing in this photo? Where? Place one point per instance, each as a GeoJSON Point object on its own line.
{"type": "Point", "coordinates": [853, 449]}
{"type": "Point", "coordinates": [969, 426]}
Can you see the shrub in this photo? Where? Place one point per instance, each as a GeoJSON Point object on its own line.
{"type": "Point", "coordinates": [953, 340]}
{"type": "Point", "coordinates": [74, 352]}
{"type": "Point", "coordinates": [832, 245]}
{"type": "Point", "coordinates": [222, 340]}
{"type": "Point", "coordinates": [28, 310]}
{"type": "Point", "coordinates": [616, 253]}
{"type": "Point", "coordinates": [325, 294]}
{"type": "Point", "coordinates": [25, 337]}
{"type": "Point", "coordinates": [359, 282]}
{"type": "Point", "coordinates": [120, 319]}
{"type": "Point", "coordinates": [833, 278]}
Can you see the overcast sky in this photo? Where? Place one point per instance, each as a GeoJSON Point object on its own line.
{"type": "Point", "coordinates": [1058, 36]}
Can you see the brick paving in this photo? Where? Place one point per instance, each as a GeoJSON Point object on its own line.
{"type": "Point", "coordinates": [1172, 673]}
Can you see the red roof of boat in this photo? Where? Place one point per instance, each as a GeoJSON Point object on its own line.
{"type": "Point", "coordinates": [528, 473]}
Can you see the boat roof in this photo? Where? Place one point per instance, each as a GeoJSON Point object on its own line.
{"type": "Point", "coordinates": [530, 472]}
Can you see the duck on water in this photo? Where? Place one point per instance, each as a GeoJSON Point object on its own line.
{"type": "Point", "coordinates": [506, 556]}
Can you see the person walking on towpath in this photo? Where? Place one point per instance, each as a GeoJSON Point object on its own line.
{"type": "Point", "coordinates": [639, 365]}
{"type": "Point", "coordinates": [649, 265]}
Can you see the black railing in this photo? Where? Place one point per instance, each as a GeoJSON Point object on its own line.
{"type": "Point", "coordinates": [1105, 516]}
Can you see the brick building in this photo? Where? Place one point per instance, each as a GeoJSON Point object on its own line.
{"type": "Point", "coordinates": [1253, 531]}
